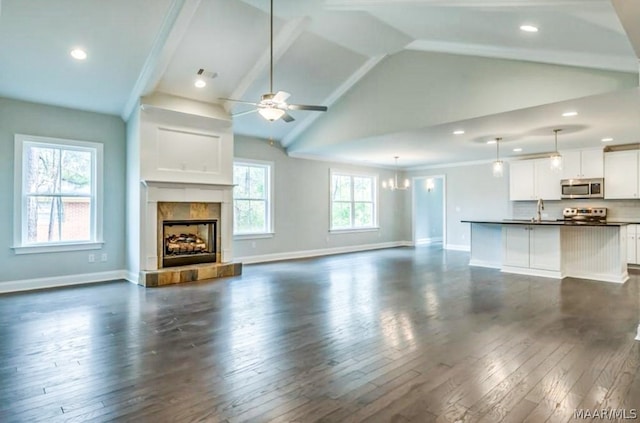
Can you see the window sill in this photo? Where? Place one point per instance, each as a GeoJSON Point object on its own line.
{"type": "Point", "coordinates": [355, 230]}
{"type": "Point", "coordinates": [241, 237]}
{"type": "Point", "coordinates": [57, 248]}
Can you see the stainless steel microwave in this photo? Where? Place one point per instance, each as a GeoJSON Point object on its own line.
{"type": "Point", "coordinates": [582, 188]}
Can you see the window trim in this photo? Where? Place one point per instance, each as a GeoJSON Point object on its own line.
{"type": "Point", "coordinates": [19, 197]}
{"type": "Point", "coordinates": [341, 172]}
{"type": "Point", "coordinates": [270, 230]}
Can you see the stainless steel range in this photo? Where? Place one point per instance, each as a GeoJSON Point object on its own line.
{"type": "Point", "coordinates": [587, 215]}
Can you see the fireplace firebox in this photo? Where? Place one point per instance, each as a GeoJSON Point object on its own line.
{"type": "Point", "coordinates": [188, 242]}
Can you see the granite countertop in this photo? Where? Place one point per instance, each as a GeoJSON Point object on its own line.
{"type": "Point", "coordinates": [543, 222]}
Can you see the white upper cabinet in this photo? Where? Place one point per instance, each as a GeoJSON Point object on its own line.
{"type": "Point", "coordinates": [592, 163]}
{"type": "Point", "coordinates": [587, 163]}
{"type": "Point", "coordinates": [521, 180]}
{"type": "Point", "coordinates": [547, 181]}
{"type": "Point", "coordinates": [533, 179]}
{"type": "Point", "coordinates": [621, 174]}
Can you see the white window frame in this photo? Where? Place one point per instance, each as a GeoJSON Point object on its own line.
{"type": "Point", "coordinates": [20, 244]}
{"type": "Point", "coordinates": [352, 174]}
{"type": "Point", "coordinates": [270, 231]}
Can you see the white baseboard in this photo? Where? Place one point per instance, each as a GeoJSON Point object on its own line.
{"type": "Point", "coordinates": [484, 263]}
{"type": "Point", "coordinates": [432, 240]}
{"type": "Point", "coordinates": [457, 247]}
{"type": "Point", "coordinates": [132, 277]}
{"type": "Point", "coordinates": [321, 252]}
{"type": "Point", "coordinates": [553, 274]}
{"type": "Point", "coordinates": [58, 281]}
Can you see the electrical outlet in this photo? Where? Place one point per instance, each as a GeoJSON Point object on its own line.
{"type": "Point", "coordinates": [103, 257]}
{"type": "Point", "coordinates": [92, 258]}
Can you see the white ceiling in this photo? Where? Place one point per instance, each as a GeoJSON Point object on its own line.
{"type": "Point", "coordinates": [322, 49]}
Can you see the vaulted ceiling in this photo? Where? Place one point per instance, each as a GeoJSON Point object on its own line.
{"type": "Point", "coordinates": [398, 75]}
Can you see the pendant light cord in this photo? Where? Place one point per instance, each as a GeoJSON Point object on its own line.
{"type": "Point", "coordinates": [555, 131]}
{"type": "Point", "coordinates": [498, 149]}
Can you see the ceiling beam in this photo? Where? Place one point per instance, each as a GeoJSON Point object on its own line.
{"type": "Point", "coordinates": [281, 43]}
{"type": "Point", "coordinates": [363, 4]}
{"type": "Point", "coordinates": [172, 30]}
{"type": "Point", "coordinates": [331, 99]}
{"type": "Point", "coordinates": [629, 15]}
{"type": "Point", "coordinates": [555, 57]}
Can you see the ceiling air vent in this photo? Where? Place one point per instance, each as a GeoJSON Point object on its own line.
{"type": "Point", "coordinates": [207, 74]}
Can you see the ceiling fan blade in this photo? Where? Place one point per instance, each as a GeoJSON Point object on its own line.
{"type": "Point", "coordinates": [307, 107]}
{"type": "Point", "coordinates": [287, 118]}
{"type": "Point", "coordinates": [238, 101]}
{"type": "Point", "coordinates": [244, 113]}
{"type": "Point", "coordinates": [281, 97]}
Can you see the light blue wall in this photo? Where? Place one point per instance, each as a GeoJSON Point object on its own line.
{"type": "Point", "coordinates": [428, 210]}
{"type": "Point", "coordinates": [471, 193]}
{"type": "Point", "coordinates": [49, 121]}
{"type": "Point", "coordinates": [302, 205]}
{"type": "Point", "coordinates": [134, 206]}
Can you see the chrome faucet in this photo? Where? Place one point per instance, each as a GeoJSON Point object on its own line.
{"type": "Point", "coordinates": [539, 208]}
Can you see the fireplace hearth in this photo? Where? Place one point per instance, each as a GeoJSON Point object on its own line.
{"type": "Point", "coordinates": [188, 242]}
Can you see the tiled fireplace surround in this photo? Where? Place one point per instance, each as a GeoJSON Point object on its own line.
{"type": "Point", "coordinates": [169, 201]}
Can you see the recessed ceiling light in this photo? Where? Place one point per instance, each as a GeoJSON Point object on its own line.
{"type": "Point", "coordinates": [458, 132]}
{"type": "Point", "coordinates": [607, 139]}
{"type": "Point", "coordinates": [529, 28]}
{"type": "Point", "coordinates": [491, 142]}
{"type": "Point", "coordinates": [200, 83]}
{"type": "Point", "coordinates": [78, 54]}
{"type": "Point", "coordinates": [569, 114]}
{"type": "Point", "coordinates": [517, 150]}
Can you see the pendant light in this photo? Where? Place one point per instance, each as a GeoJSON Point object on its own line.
{"type": "Point", "coordinates": [498, 165]}
{"type": "Point", "coordinates": [392, 183]}
{"type": "Point", "coordinates": [556, 158]}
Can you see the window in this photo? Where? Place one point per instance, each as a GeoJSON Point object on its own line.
{"type": "Point", "coordinates": [252, 204]}
{"type": "Point", "coordinates": [353, 201]}
{"type": "Point", "coordinates": [58, 194]}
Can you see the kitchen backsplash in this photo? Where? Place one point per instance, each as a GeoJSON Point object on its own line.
{"type": "Point", "coordinates": [616, 209]}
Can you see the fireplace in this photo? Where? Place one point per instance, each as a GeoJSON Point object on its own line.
{"type": "Point", "coordinates": [189, 241]}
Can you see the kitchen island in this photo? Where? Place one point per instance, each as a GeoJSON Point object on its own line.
{"type": "Point", "coordinates": [554, 249]}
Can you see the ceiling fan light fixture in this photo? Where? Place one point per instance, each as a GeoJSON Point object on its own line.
{"type": "Point", "coordinates": [271, 113]}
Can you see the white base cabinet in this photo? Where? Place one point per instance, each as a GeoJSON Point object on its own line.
{"type": "Point", "coordinates": [532, 250]}
{"type": "Point", "coordinates": [633, 256]}
{"type": "Point", "coordinates": [555, 251]}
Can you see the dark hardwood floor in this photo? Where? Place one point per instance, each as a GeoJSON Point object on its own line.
{"type": "Point", "coordinates": [398, 335]}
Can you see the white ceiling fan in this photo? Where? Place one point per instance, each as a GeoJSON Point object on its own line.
{"type": "Point", "coordinates": [273, 106]}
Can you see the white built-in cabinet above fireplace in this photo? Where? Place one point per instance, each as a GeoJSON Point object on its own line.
{"type": "Point", "coordinates": [183, 145]}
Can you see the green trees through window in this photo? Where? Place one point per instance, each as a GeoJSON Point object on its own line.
{"type": "Point", "coordinates": [251, 198]}
{"type": "Point", "coordinates": [352, 201]}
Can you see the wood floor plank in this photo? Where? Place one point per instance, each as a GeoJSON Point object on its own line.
{"type": "Point", "coordinates": [397, 335]}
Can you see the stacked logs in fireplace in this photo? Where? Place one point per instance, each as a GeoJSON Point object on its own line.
{"type": "Point", "coordinates": [188, 242]}
{"type": "Point", "coordinates": [184, 244]}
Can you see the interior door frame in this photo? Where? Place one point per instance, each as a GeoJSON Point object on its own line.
{"type": "Point", "coordinates": [414, 183]}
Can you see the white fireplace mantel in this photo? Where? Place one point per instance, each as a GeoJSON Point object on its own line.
{"type": "Point", "coordinates": [154, 192]}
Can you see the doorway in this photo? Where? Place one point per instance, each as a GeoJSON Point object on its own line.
{"type": "Point", "coordinates": [429, 211]}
